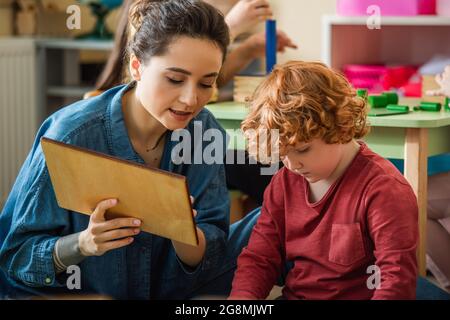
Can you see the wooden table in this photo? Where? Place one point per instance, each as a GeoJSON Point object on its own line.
{"type": "Point", "coordinates": [413, 137]}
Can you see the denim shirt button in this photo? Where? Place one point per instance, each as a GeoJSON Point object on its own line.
{"type": "Point", "coordinates": [48, 280]}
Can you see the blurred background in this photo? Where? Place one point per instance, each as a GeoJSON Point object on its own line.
{"type": "Point", "coordinates": [53, 51]}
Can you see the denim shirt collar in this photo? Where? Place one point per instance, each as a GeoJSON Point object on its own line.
{"type": "Point", "coordinates": [120, 142]}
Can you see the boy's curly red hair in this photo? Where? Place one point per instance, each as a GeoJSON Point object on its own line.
{"type": "Point", "coordinates": [303, 101]}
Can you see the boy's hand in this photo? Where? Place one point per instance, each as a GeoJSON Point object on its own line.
{"type": "Point", "coordinates": [246, 14]}
{"type": "Point", "coordinates": [444, 82]}
{"type": "Point", "coordinates": [102, 236]}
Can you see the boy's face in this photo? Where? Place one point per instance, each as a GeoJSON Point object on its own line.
{"type": "Point", "coordinates": [314, 160]}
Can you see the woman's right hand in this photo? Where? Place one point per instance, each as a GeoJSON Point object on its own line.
{"type": "Point", "coordinates": [102, 236]}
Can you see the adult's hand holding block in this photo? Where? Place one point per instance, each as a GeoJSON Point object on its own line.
{"type": "Point", "coordinates": [82, 178]}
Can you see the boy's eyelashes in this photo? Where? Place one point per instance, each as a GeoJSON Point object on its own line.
{"type": "Point", "coordinates": [179, 82]}
{"type": "Point", "coordinates": [302, 150]}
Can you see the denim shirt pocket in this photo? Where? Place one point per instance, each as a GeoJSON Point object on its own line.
{"type": "Point", "coordinates": [346, 244]}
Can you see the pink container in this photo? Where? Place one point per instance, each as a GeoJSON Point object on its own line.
{"type": "Point", "coordinates": [443, 8]}
{"type": "Point", "coordinates": [387, 7]}
{"type": "Point", "coordinates": [366, 76]}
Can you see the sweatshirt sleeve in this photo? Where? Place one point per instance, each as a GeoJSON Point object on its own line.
{"type": "Point", "coordinates": [393, 226]}
{"type": "Point", "coordinates": [260, 263]}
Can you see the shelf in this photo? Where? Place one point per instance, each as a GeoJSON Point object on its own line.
{"type": "Point", "coordinates": [102, 45]}
{"type": "Point", "coordinates": [68, 92]}
{"type": "Point", "coordinates": [390, 21]}
{"type": "Point", "coordinates": [399, 41]}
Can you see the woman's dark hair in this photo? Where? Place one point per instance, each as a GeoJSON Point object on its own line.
{"type": "Point", "coordinates": [154, 25]}
{"type": "Point", "coordinates": [146, 28]}
{"type": "Point", "coordinates": [114, 72]}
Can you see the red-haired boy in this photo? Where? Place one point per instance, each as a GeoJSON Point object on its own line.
{"type": "Point", "coordinates": [341, 214]}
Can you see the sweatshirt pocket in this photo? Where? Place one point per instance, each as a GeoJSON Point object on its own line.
{"type": "Point", "coordinates": [346, 244]}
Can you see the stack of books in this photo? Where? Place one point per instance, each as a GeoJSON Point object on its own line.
{"type": "Point", "coordinates": [245, 86]}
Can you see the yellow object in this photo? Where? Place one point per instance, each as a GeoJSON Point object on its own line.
{"type": "Point", "coordinates": [35, 18]}
{"type": "Point", "coordinates": [429, 83]}
{"type": "Point", "coordinates": [245, 86]}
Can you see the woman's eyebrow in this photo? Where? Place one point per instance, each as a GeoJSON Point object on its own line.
{"type": "Point", "coordinates": [174, 69]}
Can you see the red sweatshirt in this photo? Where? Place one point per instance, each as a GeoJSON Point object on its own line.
{"type": "Point", "coordinates": [368, 217]}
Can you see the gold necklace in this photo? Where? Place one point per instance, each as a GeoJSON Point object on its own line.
{"type": "Point", "coordinates": [157, 143]}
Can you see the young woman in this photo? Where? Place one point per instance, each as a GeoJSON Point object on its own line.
{"type": "Point", "coordinates": [39, 240]}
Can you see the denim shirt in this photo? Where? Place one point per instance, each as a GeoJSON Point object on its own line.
{"type": "Point", "coordinates": [31, 221]}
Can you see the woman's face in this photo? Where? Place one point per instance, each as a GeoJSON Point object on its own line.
{"type": "Point", "coordinates": [175, 87]}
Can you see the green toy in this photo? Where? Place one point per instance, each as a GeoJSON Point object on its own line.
{"type": "Point", "coordinates": [433, 104]}
{"type": "Point", "coordinates": [378, 101]}
{"type": "Point", "coordinates": [396, 107]}
{"type": "Point", "coordinates": [428, 106]}
{"type": "Point", "coordinates": [392, 97]}
{"type": "Point", "coordinates": [362, 93]}
{"type": "Point", "coordinates": [379, 112]}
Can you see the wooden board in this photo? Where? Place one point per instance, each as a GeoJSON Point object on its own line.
{"type": "Point", "coordinates": [82, 178]}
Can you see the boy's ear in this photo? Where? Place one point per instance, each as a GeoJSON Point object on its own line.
{"type": "Point", "coordinates": [135, 68]}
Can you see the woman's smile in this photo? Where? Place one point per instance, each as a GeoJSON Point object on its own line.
{"type": "Point", "coordinates": [180, 115]}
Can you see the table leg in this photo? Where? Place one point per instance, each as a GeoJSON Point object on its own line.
{"type": "Point", "coordinates": [416, 172]}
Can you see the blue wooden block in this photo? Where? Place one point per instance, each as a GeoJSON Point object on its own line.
{"type": "Point", "coordinates": [271, 45]}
